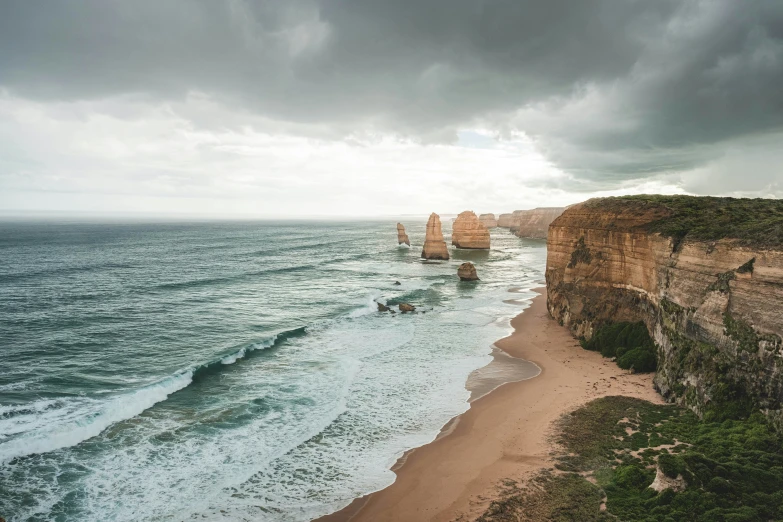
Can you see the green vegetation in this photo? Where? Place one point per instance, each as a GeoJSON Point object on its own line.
{"type": "Point", "coordinates": [753, 222]}
{"type": "Point", "coordinates": [581, 254]}
{"type": "Point", "coordinates": [722, 284]}
{"type": "Point", "coordinates": [629, 343]}
{"type": "Point", "coordinates": [732, 470]}
{"type": "Point", "coordinates": [747, 268]}
{"type": "Point", "coordinates": [560, 498]}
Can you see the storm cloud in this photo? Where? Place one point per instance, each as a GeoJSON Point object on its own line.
{"type": "Point", "coordinates": [610, 92]}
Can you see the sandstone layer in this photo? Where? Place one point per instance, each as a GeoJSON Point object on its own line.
{"type": "Point", "coordinates": [714, 306]}
{"type": "Point", "coordinates": [467, 272]}
{"type": "Point", "coordinates": [434, 245]}
{"type": "Point", "coordinates": [504, 220]}
{"type": "Point", "coordinates": [534, 223]}
{"type": "Point", "coordinates": [402, 237]}
{"type": "Point", "coordinates": [468, 232]}
{"type": "Point", "coordinates": [488, 220]}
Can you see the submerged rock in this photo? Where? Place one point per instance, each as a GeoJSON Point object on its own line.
{"type": "Point", "coordinates": [434, 246]}
{"type": "Point", "coordinates": [402, 237]}
{"type": "Point", "coordinates": [469, 232]}
{"type": "Point", "coordinates": [467, 272]}
{"type": "Point", "coordinates": [397, 283]}
{"type": "Point", "coordinates": [405, 307]}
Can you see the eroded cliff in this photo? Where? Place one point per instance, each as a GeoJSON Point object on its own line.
{"type": "Point", "coordinates": [704, 274]}
{"type": "Point", "coordinates": [488, 220]}
{"type": "Point", "coordinates": [434, 245]}
{"type": "Point", "coordinates": [468, 232]}
{"type": "Point", "coordinates": [534, 223]}
{"type": "Point", "coordinates": [402, 236]}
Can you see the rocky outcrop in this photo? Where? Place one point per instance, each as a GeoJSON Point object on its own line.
{"type": "Point", "coordinates": [382, 307]}
{"type": "Point", "coordinates": [504, 220]}
{"type": "Point", "coordinates": [434, 246]}
{"type": "Point", "coordinates": [467, 272]}
{"type": "Point", "coordinates": [402, 237]}
{"type": "Point", "coordinates": [488, 220]}
{"type": "Point", "coordinates": [534, 223]}
{"type": "Point", "coordinates": [468, 232]}
{"type": "Point", "coordinates": [663, 481]}
{"type": "Point", "coordinates": [704, 274]}
{"type": "Point", "coordinates": [405, 308]}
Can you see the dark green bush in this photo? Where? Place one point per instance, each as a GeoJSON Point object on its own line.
{"type": "Point", "coordinates": [640, 360]}
{"type": "Point", "coordinates": [630, 343]}
{"type": "Point", "coordinates": [671, 465]}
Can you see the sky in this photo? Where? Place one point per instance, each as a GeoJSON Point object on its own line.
{"type": "Point", "coordinates": [370, 108]}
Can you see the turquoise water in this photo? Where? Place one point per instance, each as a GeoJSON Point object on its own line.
{"type": "Point", "coordinates": [232, 371]}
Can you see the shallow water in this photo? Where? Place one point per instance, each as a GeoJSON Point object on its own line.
{"type": "Point", "coordinates": [234, 370]}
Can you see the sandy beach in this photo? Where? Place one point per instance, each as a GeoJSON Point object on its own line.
{"type": "Point", "coordinates": [505, 434]}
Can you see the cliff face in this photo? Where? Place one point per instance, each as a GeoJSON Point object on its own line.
{"type": "Point", "coordinates": [402, 237]}
{"type": "Point", "coordinates": [434, 246]}
{"type": "Point", "coordinates": [488, 220]}
{"type": "Point", "coordinates": [712, 301]}
{"type": "Point", "coordinates": [504, 220]}
{"type": "Point", "coordinates": [469, 232]}
{"type": "Point", "coordinates": [534, 223]}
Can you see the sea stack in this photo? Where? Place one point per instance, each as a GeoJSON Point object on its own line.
{"type": "Point", "coordinates": [402, 237]}
{"type": "Point", "coordinates": [504, 220]}
{"type": "Point", "coordinates": [434, 246]}
{"type": "Point", "coordinates": [488, 220]}
{"type": "Point", "coordinates": [467, 272]}
{"type": "Point", "coordinates": [469, 232]}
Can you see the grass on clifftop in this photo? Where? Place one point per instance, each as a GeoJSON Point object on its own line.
{"type": "Point", "coordinates": [754, 222]}
{"type": "Point", "coordinates": [733, 470]}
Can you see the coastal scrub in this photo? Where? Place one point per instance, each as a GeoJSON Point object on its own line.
{"type": "Point", "coordinates": [613, 447]}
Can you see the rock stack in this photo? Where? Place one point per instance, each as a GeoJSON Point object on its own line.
{"type": "Point", "coordinates": [402, 237]}
{"type": "Point", "coordinates": [504, 220]}
{"type": "Point", "coordinates": [434, 246]}
{"type": "Point", "coordinates": [467, 272]}
{"type": "Point", "coordinates": [488, 220]}
{"type": "Point", "coordinates": [469, 232]}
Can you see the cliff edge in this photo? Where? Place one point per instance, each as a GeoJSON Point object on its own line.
{"type": "Point", "coordinates": [704, 274]}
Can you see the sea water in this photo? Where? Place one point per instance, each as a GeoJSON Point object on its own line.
{"type": "Point", "coordinates": [232, 370]}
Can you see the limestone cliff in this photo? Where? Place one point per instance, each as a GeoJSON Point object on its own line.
{"type": "Point", "coordinates": [504, 220]}
{"type": "Point", "coordinates": [402, 237]}
{"type": "Point", "coordinates": [434, 246]}
{"type": "Point", "coordinates": [488, 220]}
{"type": "Point", "coordinates": [534, 223]}
{"type": "Point", "coordinates": [704, 274]}
{"type": "Point", "coordinates": [469, 232]}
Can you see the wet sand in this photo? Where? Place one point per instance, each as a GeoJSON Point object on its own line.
{"type": "Point", "coordinates": [505, 434]}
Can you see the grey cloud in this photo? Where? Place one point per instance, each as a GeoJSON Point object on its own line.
{"type": "Point", "coordinates": [611, 90]}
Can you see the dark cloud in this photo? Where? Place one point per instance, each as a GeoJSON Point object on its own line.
{"type": "Point", "coordinates": [611, 90]}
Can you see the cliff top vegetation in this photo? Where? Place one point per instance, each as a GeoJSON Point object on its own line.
{"type": "Point", "coordinates": [753, 222]}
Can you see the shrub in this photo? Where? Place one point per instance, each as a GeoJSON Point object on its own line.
{"type": "Point", "coordinates": [630, 343]}
{"type": "Point", "coordinates": [640, 360]}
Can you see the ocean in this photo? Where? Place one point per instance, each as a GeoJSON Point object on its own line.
{"type": "Point", "coordinates": [233, 370]}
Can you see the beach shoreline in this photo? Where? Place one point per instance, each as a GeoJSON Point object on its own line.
{"type": "Point", "coordinates": [505, 434]}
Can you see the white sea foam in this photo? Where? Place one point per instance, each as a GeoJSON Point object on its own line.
{"type": "Point", "coordinates": [49, 425]}
{"type": "Point", "coordinates": [239, 354]}
{"type": "Point", "coordinates": [303, 431]}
